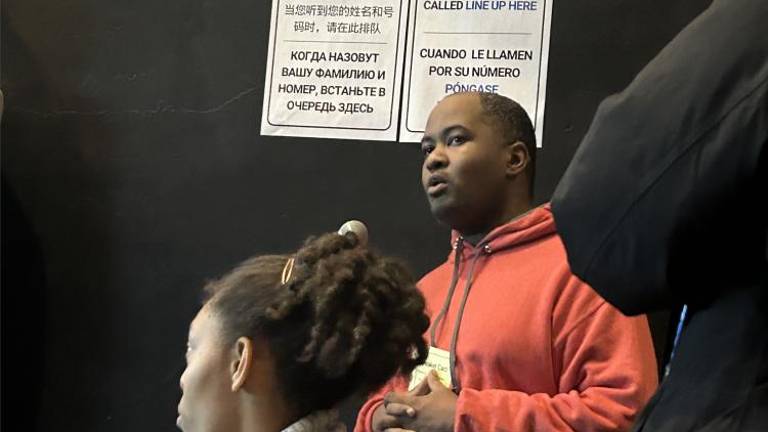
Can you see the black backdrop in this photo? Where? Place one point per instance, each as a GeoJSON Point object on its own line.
{"type": "Point", "coordinates": [133, 170]}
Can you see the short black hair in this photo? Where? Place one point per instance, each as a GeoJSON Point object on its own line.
{"type": "Point", "coordinates": [345, 322]}
{"type": "Point", "coordinates": [514, 123]}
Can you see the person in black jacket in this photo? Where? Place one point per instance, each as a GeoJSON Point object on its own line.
{"type": "Point", "coordinates": [664, 204]}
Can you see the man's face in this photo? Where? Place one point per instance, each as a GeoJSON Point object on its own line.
{"type": "Point", "coordinates": [207, 402]}
{"type": "Point", "coordinates": [464, 170]}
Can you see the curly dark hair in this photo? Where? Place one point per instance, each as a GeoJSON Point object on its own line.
{"type": "Point", "coordinates": [345, 322]}
{"type": "Point", "coordinates": [514, 124]}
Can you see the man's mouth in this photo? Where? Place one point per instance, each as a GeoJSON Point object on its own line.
{"type": "Point", "coordinates": [178, 417]}
{"type": "Point", "coordinates": [436, 185]}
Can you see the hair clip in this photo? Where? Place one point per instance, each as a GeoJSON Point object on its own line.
{"type": "Point", "coordinates": [287, 270]}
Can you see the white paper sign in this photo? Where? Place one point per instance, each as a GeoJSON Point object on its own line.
{"type": "Point", "coordinates": [438, 360]}
{"type": "Point", "coordinates": [475, 45]}
{"type": "Point", "coordinates": [334, 68]}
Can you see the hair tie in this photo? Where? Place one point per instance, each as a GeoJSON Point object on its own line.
{"type": "Point", "coordinates": [287, 270]}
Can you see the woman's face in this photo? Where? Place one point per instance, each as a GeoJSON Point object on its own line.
{"type": "Point", "coordinates": [208, 402]}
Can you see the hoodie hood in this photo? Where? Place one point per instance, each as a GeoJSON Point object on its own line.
{"type": "Point", "coordinates": [528, 227]}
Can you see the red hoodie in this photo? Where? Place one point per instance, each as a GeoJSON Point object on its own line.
{"type": "Point", "coordinates": [537, 349]}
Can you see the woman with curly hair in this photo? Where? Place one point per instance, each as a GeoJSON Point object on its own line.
{"type": "Point", "coordinates": [280, 340]}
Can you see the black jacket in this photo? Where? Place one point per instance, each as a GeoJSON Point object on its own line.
{"type": "Point", "coordinates": [665, 203]}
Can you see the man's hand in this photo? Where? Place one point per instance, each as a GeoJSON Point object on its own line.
{"type": "Point", "coordinates": [434, 407]}
{"type": "Point", "coordinates": [391, 415]}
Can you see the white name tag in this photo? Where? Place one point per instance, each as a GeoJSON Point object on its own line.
{"type": "Point", "coordinates": [438, 360]}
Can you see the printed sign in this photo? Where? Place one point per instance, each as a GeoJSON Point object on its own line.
{"type": "Point", "coordinates": [499, 46]}
{"type": "Point", "coordinates": [334, 68]}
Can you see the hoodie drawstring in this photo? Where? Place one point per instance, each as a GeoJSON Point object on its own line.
{"type": "Point", "coordinates": [460, 313]}
{"type": "Point", "coordinates": [457, 254]}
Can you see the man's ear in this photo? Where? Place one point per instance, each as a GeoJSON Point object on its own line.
{"type": "Point", "coordinates": [242, 361]}
{"type": "Point", "coordinates": [519, 158]}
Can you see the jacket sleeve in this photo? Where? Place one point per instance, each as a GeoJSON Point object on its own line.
{"type": "Point", "coordinates": [607, 374]}
{"type": "Point", "coordinates": [364, 417]}
{"type": "Point", "coordinates": [664, 182]}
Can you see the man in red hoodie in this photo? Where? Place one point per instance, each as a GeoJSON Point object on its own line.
{"type": "Point", "coordinates": [522, 343]}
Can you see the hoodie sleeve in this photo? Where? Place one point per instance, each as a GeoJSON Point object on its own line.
{"type": "Point", "coordinates": [365, 416]}
{"type": "Point", "coordinates": [607, 374]}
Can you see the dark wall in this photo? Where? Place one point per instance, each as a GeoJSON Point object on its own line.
{"type": "Point", "coordinates": [133, 170]}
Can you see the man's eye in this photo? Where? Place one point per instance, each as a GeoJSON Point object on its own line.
{"type": "Point", "coordinates": [427, 149]}
{"type": "Point", "coordinates": [457, 140]}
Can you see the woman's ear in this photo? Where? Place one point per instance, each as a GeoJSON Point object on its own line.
{"type": "Point", "coordinates": [242, 361]}
{"type": "Point", "coordinates": [519, 158]}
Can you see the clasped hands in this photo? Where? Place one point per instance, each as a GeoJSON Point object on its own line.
{"type": "Point", "coordinates": [428, 407]}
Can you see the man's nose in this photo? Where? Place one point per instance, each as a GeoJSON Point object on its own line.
{"type": "Point", "coordinates": [436, 159]}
